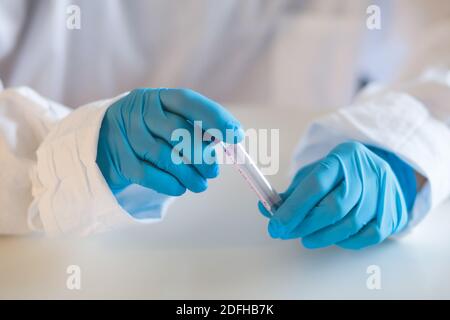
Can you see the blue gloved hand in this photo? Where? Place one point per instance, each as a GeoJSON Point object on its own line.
{"type": "Point", "coordinates": [135, 141]}
{"type": "Point", "coordinates": [351, 198]}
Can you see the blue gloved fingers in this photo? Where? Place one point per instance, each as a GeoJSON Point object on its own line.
{"type": "Point", "coordinates": [380, 208]}
{"type": "Point", "coordinates": [389, 218]}
{"type": "Point", "coordinates": [361, 214]}
{"type": "Point", "coordinates": [185, 173]}
{"type": "Point", "coordinates": [202, 156]}
{"type": "Point", "coordinates": [138, 171]}
{"type": "Point", "coordinates": [165, 124]}
{"type": "Point", "coordinates": [370, 235]}
{"type": "Point", "coordinates": [195, 107]}
{"type": "Point", "coordinates": [314, 187]}
{"type": "Point", "coordinates": [263, 210]}
{"type": "Point", "coordinates": [339, 202]}
{"type": "Point", "coordinates": [145, 174]}
{"type": "Point", "coordinates": [334, 207]}
{"type": "Point", "coordinates": [155, 150]}
{"type": "Point", "coordinates": [301, 173]}
{"type": "Point", "coordinates": [129, 151]}
{"type": "Point", "coordinates": [160, 155]}
{"type": "Point", "coordinates": [198, 154]}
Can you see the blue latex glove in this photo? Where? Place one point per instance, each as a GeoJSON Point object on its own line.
{"type": "Point", "coordinates": [351, 198]}
{"type": "Point", "coordinates": [135, 144]}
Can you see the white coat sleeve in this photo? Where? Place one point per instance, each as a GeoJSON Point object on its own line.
{"type": "Point", "coordinates": [410, 118]}
{"type": "Point", "coordinates": [50, 179]}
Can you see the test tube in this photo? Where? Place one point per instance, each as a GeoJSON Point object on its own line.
{"type": "Point", "coordinates": [257, 181]}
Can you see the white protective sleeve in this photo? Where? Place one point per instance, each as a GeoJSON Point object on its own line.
{"type": "Point", "coordinates": [50, 179]}
{"type": "Point", "coordinates": [410, 118]}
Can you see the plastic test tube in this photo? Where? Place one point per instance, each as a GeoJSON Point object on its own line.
{"type": "Point", "coordinates": [257, 181]}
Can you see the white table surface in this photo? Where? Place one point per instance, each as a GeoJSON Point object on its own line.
{"type": "Point", "coordinates": [215, 245]}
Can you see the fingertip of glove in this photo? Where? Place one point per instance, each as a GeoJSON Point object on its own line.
{"type": "Point", "coordinates": [176, 191]}
{"type": "Point", "coordinates": [212, 172]}
{"type": "Point", "coordinates": [263, 210]}
{"type": "Point", "coordinates": [239, 133]}
{"type": "Point", "coordinates": [273, 230]}
{"type": "Point", "coordinates": [234, 133]}
{"type": "Point", "coordinates": [200, 187]}
{"type": "Point", "coordinates": [309, 244]}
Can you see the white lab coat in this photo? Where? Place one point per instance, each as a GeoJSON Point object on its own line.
{"type": "Point", "coordinates": [255, 51]}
